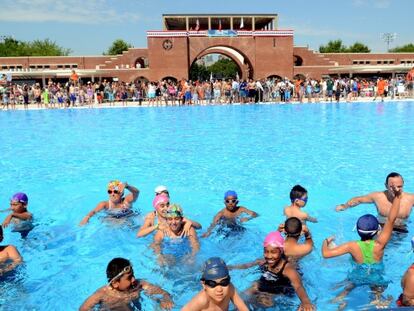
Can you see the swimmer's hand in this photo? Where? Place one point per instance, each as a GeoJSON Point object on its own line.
{"type": "Point", "coordinates": [84, 221]}
{"type": "Point", "coordinates": [7, 221]}
{"type": "Point", "coordinates": [166, 303]}
{"type": "Point", "coordinates": [306, 307]}
{"type": "Point", "coordinates": [244, 219]}
{"type": "Point", "coordinates": [396, 192]}
{"type": "Point", "coordinates": [187, 227]}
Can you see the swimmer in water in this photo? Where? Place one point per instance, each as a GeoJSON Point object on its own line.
{"type": "Point", "coordinates": [123, 289]}
{"type": "Point", "coordinates": [407, 283]}
{"type": "Point", "coordinates": [293, 229]}
{"type": "Point", "coordinates": [298, 199]}
{"type": "Point", "coordinates": [117, 205]}
{"type": "Point", "coordinates": [217, 290]}
{"type": "Point", "coordinates": [19, 216]}
{"type": "Point", "coordinates": [279, 276]}
{"type": "Point", "coordinates": [157, 220]}
{"type": "Point", "coordinates": [368, 250]}
{"type": "Point", "coordinates": [383, 201]}
{"type": "Point", "coordinates": [9, 256]}
{"type": "Point", "coordinates": [230, 213]}
{"type": "Point", "coordinates": [173, 234]}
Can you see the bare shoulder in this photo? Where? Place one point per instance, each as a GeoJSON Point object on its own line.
{"type": "Point", "coordinates": [198, 302]}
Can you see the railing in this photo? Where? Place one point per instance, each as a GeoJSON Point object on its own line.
{"type": "Point", "coordinates": [208, 33]}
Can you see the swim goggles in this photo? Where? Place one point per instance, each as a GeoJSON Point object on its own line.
{"type": "Point", "coordinates": [371, 232]}
{"type": "Point", "coordinates": [113, 191]}
{"type": "Point", "coordinates": [224, 283]}
{"type": "Point", "coordinates": [126, 270]}
{"type": "Point", "coordinates": [231, 201]}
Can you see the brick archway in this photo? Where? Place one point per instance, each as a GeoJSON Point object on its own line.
{"type": "Point", "coordinates": [244, 64]}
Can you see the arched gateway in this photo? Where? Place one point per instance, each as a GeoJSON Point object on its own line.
{"type": "Point", "coordinates": [253, 42]}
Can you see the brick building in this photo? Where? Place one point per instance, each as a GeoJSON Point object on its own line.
{"type": "Point", "coordinates": [254, 42]}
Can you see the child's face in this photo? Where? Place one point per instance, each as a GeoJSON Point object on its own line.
{"type": "Point", "coordinates": [272, 255]}
{"type": "Point", "coordinates": [220, 290]}
{"type": "Point", "coordinates": [125, 282]}
{"type": "Point", "coordinates": [114, 195]}
{"type": "Point", "coordinates": [231, 203]}
{"type": "Point", "coordinates": [162, 208]}
{"type": "Point", "coordinates": [17, 207]}
{"type": "Point", "coordinates": [175, 223]}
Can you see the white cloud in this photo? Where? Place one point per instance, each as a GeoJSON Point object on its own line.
{"type": "Point", "coordinates": [69, 11]}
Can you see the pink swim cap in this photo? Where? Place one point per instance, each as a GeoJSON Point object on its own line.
{"type": "Point", "coordinates": [274, 239]}
{"type": "Point", "coordinates": [161, 198]}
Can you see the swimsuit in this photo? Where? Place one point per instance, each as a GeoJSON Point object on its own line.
{"type": "Point", "coordinates": [117, 212]}
{"type": "Point", "coordinates": [176, 246]}
{"type": "Point", "coordinates": [367, 249]}
{"type": "Point", "coordinates": [274, 282]}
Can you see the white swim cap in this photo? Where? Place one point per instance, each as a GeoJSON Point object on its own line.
{"type": "Point", "coordinates": [160, 189]}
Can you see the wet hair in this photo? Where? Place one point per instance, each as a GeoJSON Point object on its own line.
{"type": "Point", "coordinates": [115, 267]}
{"type": "Point", "coordinates": [297, 192]}
{"type": "Point", "coordinates": [391, 175]}
{"type": "Point", "coordinates": [293, 226]}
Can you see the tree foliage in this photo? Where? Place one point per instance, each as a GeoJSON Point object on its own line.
{"type": "Point", "coordinates": [117, 47]}
{"type": "Point", "coordinates": [336, 46]}
{"type": "Point", "coordinates": [224, 68]}
{"type": "Point", "coordinates": [408, 48]}
{"type": "Point", "coordinates": [10, 47]}
{"type": "Point", "coordinates": [358, 47]}
{"type": "Point", "coordinates": [199, 72]}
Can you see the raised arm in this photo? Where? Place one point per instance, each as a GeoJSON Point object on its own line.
{"type": "Point", "coordinates": [216, 219]}
{"type": "Point", "coordinates": [386, 232]}
{"type": "Point", "coordinates": [152, 290]}
{"type": "Point", "coordinates": [329, 252]}
{"type": "Point", "coordinates": [369, 198]}
{"type": "Point", "coordinates": [98, 208]}
{"type": "Point", "coordinates": [133, 196]}
{"type": "Point", "coordinates": [249, 212]}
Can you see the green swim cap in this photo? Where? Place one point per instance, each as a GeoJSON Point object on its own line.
{"type": "Point", "coordinates": [174, 210]}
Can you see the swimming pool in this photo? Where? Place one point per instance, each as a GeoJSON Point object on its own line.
{"type": "Point", "coordinates": [63, 160]}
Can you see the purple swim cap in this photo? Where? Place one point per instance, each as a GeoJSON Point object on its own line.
{"type": "Point", "coordinates": [20, 197]}
{"type": "Point", "coordinates": [230, 193]}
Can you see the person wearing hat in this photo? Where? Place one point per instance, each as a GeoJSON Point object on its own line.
{"type": "Point", "coordinates": [367, 251]}
{"type": "Point", "coordinates": [217, 290]}
{"type": "Point", "coordinates": [157, 219]}
{"type": "Point", "coordinates": [19, 216]}
{"type": "Point", "coordinates": [9, 255]}
{"type": "Point", "coordinates": [230, 214]}
{"type": "Point", "coordinates": [118, 205]}
{"type": "Point", "coordinates": [123, 290]}
{"type": "Point", "coordinates": [383, 201]}
{"type": "Point", "coordinates": [171, 240]}
{"type": "Point", "coordinates": [278, 276]}
{"type": "Point", "coordinates": [161, 190]}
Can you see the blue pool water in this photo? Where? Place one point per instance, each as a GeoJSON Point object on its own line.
{"type": "Point", "coordinates": [64, 159]}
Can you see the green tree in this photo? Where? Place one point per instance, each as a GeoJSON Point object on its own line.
{"type": "Point", "coordinates": [408, 48]}
{"type": "Point", "coordinates": [333, 46]}
{"type": "Point", "coordinates": [117, 47]}
{"type": "Point", "coordinates": [199, 72]}
{"type": "Point", "coordinates": [10, 47]}
{"type": "Point", "coordinates": [224, 68]}
{"type": "Point", "coordinates": [358, 47]}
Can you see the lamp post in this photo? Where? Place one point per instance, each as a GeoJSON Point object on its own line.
{"type": "Point", "coordinates": [388, 37]}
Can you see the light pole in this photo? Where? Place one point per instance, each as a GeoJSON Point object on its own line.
{"type": "Point", "coordinates": [388, 37]}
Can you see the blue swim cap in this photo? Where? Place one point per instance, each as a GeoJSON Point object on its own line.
{"type": "Point", "coordinates": [214, 268]}
{"type": "Point", "coordinates": [367, 226]}
{"type": "Point", "coordinates": [230, 193]}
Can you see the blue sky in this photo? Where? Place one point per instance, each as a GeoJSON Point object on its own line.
{"type": "Point", "coordinates": [88, 27]}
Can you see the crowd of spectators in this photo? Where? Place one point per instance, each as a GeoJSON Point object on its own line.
{"type": "Point", "coordinates": [186, 92]}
